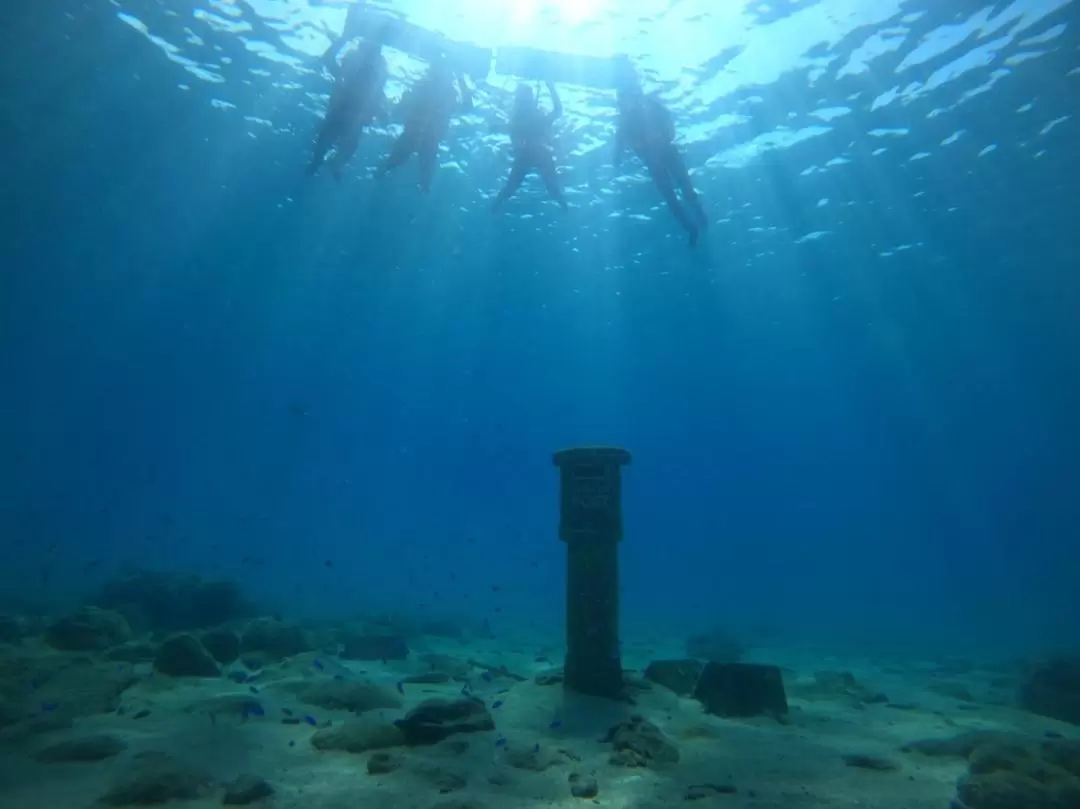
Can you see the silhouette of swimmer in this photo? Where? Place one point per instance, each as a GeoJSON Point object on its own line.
{"type": "Point", "coordinates": [354, 102]}
{"type": "Point", "coordinates": [428, 108]}
{"type": "Point", "coordinates": [530, 137]}
{"type": "Point", "coordinates": [645, 126]}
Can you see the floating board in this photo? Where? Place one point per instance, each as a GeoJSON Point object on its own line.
{"type": "Point", "coordinates": [532, 64]}
{"type": "Point", "coordinates": [402, 35]}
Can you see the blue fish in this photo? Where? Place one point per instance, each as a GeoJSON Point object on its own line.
{"type": "Point", "coordinates": [255, 709]}
{"type": "Point", "coordinates": [401, 686]}
{"type": "Point", "coordinates": [48, 707]}
{"type": "Point", "coordinates": [497, 704]}
{"type": "Point", "coordinates": [555, 724]}
{"type": "Point", "coordinates": [310, 720]}
{"type": "Point", "coordinates": [317, 664]}
{"type": "Point", "coordinates": [500, 741]}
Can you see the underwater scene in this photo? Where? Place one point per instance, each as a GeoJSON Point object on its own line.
{"type": "Point", "coordinates": [534, 404]}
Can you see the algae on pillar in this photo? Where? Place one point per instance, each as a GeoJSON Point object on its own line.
{"type": "Point", "coordinates": [590, 523]}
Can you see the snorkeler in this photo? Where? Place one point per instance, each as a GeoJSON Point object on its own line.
{"type": "Point", "coordinates": [530, 137]}
{"type": "Point", "coordinates": [428, 108]}
{"type": "Point", "coordinates": [645, 126]}
{"type": "Point", "coordinates": [355, 100]}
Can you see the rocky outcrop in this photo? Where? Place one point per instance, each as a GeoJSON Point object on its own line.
{"type": "Point", "coordinates": [347, 695]}
{"type": "Point", "coordinates": [89, 629]}
{"type": "Point", "coordinates": [171, 602]}
{"type": "Point", "coordinates": [1053, 689]}
{"type": "Point", "coordinates": [245, 789]}
{"type": "Point", "coordinates": [435, 719]}
{"type": "Point", "coordinates": [358, 736]}
{"type": "Point", "coordinates": [183, 656]}
{"type": "Point", "coordinates": [84, 748]}
{"type": "Point", "coordinates": [274, 640]}
{"type": "Point", "coordinates": [153, 779]}
{"type": "Point", "coordinates": [640, 743]}
{"type": "Point", "coordinates": [222, 644]}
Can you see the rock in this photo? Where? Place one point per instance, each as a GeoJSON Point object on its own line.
{"type": "Point", "coordinates": [89, 629]}
{"type": "Point", "coordinates": [227, 706]}
{"type": "Point", "coordinates": [716, 646]}
{"type": "Point", "coordinates": [680, 676]}
{"type": "Point", "coordinates": [741, 689]}
{"type": "Point", "coordinates": [866, 761]}
{"type": "Point", "coordinates": [12, 629]}
{"type": "Point", "coordinates": [246, 789]}
{"type": "Point", "coordinates": [640, 743]}
{"type": "Point", "coordinates": [583, 786]}
{"type": "Point", "coordinates": [86, 748]}
{"type": "Point", "coordinates": [442, 778]}
{"type": "Point", "coordinates": [535, 758]}
{"type": "Point", "coordinates": [382, 763]}
{"type": "Point", "coordinates": [222, 644]}
{"type": "Point", "coordinates": [171, 602]}
{"type": "Point", "coordinates": [347, 695]}
{"type": "Point", "coordinates": [1008, 790]}
{"type": "Point", "coordinates": [1053, 689]}
{"type": "Point", "coordinates": [358, 736]}
{"type": "Point", "coordinates": [83, 689]}
{"type": "Point", "coordinates": [433, 720]}
{"type": "Point", "coordinates": [374, 647]}
{"type": "Point", "coordinates": [698, 791]}
{"type": "Point", "coordinates": [274, 639]}
{"type": "Point", "coordinates": [184, 656]}
{"type": "Point", "coordinates": [961, 745]}
{"type": "Point", "coordinates": [551, 677]}
{"type": "Point", "coordinates": [137, 652]}
{"type": "Point", "coordinates": [153, 779]}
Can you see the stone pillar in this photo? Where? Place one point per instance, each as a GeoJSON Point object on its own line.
{"type": "Point", "coordinates": [590, 523]}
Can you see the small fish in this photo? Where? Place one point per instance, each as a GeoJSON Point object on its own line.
{"type": "Point", "coordinates": [48, 707]}
{"type": "Point", "coordinates": [465, 689]}
{"type": "Point", "coordinates": [543, 659]}
{"type": "Point", "coordinates": [287, 711]}
{"type": "Point", "coordinates": [290, 720]}
{"type": "Point", "coordinates": [401, 686]}
{"type": "Point", "coordinates": [339, 677]}
{"type": "Point", "coordinates": [497, 704]}
{"type": "Point", "coordinates": [292, 743]}
{"type": "Point", "coordinates": [141, 714]}
{"type": "Point", "coordinates": [255, 709]}
{"type": "Point", "coordinates": [500, 741]}
{"type": "Point", "coordinates": [310, 720]}
{"type": "Point", "coordinates": [536, 747]}
{"type": "Point", "coordinates": [555, 724]}
{"type": "Point", "coordinates": [253, 689]}
{"type": "Point", "coordinates": [318, 664]}
{"type": "Point", "coordinates": [486, 677]}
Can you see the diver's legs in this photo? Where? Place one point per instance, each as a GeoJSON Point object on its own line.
{"type": "Point", "coordinates": [690, 198]}
{"type": "Point", "coordinates": [513, 182]}
{"type": "Point", "coordinates": [546, 166]}
{"type": "Point", "coordinates": [662, 179]}
{"type": "Point", "coordinates": [323, 141]}
{"type": "Point", "coordinates": [400, 152]}
{"type": "Point", "coordinates": [428, 151]}
{"type": "Point", "coordinates": [346, 148]}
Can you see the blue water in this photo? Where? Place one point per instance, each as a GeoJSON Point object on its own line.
{"type": "Point", "coordinates": [854, 409]}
